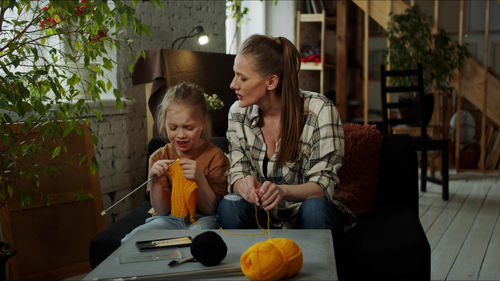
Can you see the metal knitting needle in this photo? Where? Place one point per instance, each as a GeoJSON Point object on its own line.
{"type": "Point", "coordinates": [124, 197]}
{"type": "Point", "coordinates": [132, 192]}
{"type": "Point", "coordinates": [175, 149]}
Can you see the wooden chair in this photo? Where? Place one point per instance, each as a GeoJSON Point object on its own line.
{"type": "Point", "coordinates": [423, 142]}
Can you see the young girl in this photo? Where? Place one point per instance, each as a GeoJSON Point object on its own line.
{"type": "Point", "coordinates": [184, 119]}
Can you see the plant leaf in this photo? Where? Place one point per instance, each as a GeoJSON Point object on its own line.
{"type": "Point", "coordinates": [56, 152]}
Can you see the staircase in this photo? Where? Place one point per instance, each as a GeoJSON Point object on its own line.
{"type": "Point", "coordinates": [472, 81]}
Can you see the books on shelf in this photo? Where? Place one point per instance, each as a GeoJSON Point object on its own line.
{"type": "Point", "coordinates": [309, 7]}
{"type": "Point", "coordinates": [330, 7]}
{"type": "Point", "coordinates": [316, 6]}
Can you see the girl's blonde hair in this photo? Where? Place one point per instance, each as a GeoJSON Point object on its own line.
{"type": "Point", "coordinates": [189, 95]}
{"type": "Point", "coordinates": [278, 56]}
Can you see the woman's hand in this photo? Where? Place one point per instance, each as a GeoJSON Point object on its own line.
{"type": "Point", "coordinates": [270, 195]}
{"type": "Point", "coordinates": [248, 187]}
{"type": "Point", "coordinates": [191, 170]}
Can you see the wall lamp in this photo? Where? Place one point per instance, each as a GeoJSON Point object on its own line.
{"type": "Point", "coordinates": [196, 31]}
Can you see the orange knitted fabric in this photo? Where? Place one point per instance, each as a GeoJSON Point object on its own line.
{"type": "Point", "coordinates": [272, 259]}
{"type": "Point", "coordinates": [183, 198]}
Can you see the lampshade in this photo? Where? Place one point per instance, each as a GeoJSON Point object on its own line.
{"type": "Point", "coordinates": [196, 31]}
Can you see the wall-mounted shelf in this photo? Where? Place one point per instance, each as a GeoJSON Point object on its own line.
{"type": "Point", "coordinates": [316, 18]}
{"type": "Point", "coordinates": [320, 66]}
{"type": "Point", "coordinates": [316, 66]}
{"type": "Point", "coordinates": [336, 68]}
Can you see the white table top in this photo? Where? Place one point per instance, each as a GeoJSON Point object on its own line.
{"type": "Point", "coordinates": [128, 263]}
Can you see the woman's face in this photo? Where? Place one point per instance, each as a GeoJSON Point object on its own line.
{"type": "Point", "coordinates": [184, 128]}
{"type": "Point", "coordinates": [249, 85]}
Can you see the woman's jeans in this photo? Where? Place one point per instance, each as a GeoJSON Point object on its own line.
{"type": "Point", "coordinates": [173, 222]}
{"type": "Point", "coordinates": [315, 213]}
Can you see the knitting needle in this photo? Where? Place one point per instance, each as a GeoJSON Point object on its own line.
{"type": "Point", "coordinates": [132, 192]}
{"type": "Point", "coordinates": [175, 149]}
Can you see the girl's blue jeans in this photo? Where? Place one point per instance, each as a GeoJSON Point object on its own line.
{"type": "Point", "coordinates": [173, 222]}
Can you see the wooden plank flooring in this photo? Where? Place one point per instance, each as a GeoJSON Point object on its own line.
{"type": "Point", "coordinates": [463, 232]}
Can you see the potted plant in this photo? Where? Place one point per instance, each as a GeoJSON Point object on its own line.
{"type": "Point", "coordinates": [53, 58]}
{"type": "Point", "coordinates": [412, 42]}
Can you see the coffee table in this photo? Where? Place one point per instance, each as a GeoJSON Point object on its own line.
{"type": "Point", "coordinates": [128, 263]}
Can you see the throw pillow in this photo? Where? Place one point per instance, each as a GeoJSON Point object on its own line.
{"type": "Point", "coordinates": [359, 174]}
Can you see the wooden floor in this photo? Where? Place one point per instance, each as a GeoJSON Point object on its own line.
{"type": "Point", "coordinates": [464, 232]}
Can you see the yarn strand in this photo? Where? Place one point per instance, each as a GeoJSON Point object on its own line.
{"type": "Point", "coordinates": [185, 226]}
{"type": "Point", "coordinates": [258, 224]}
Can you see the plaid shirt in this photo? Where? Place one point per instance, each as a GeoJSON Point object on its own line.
{"type": "Point", "coordinates": [321, 154]}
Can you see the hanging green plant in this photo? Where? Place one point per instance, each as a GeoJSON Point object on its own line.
{"type": "Point", "coordinates": [53, 57]}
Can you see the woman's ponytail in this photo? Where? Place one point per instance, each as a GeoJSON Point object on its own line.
{"type": "Point", "coordinates": [292, 105]}
{"type": "Point", "coordinates": [278, 56]}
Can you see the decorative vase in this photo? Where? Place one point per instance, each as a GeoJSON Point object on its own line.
{"type": "Point", "coordinates": [6, 252]}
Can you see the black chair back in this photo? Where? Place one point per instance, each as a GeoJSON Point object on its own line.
{"type": "Point", "coordinates": [411, 81]}
{"type": "Point", "coordinates": [415, 84]}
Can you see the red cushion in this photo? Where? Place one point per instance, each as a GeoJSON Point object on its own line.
{"type": "Point", "coordinates": [359, 174]}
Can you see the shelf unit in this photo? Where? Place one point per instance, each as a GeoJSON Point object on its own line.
{"type": "Point", "coordinates": [315, 66]}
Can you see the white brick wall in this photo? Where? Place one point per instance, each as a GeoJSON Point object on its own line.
{"type": "Point", "coordinates": [122, 148]}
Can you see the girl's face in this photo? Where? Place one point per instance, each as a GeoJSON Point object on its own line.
{"type": "Point", "coordinates": [184, 127]}
{"type": "Point", "coordinates": [249, 85]}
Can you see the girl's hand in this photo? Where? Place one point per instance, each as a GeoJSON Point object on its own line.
{"type": "Point", "coordinates": [191, 169]}
{"type": "Point", "coordinates": [159, 191]}
{"type": "Point", "coordinates": [158, 170]}
{"type": "Point", "coordinates": [270, 195]}
{"type": "Point", "coordinates": [248, 188]}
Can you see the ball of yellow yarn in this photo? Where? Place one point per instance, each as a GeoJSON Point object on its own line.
{"type": "Point", "coordinates": [263, 261]}
{"type": "Point", "coordinates": [271, 260]}
{"type": "Point", "coordinates": [292, 254]}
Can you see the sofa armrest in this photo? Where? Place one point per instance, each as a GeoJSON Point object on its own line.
{"type": "Point", "coordinates": [386, 244]}
{"type": "Point", "coordinates": [398, 182]}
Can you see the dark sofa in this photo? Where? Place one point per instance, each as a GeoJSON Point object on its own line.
{"type": "Point", "coordinates": [387, 242]}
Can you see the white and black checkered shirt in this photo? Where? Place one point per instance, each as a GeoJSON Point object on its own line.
{"type": "Point", "coordinates": [320, 157]}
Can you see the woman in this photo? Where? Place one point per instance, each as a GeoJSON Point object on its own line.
{"type": "Point", "coordinates": [286, 145]}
